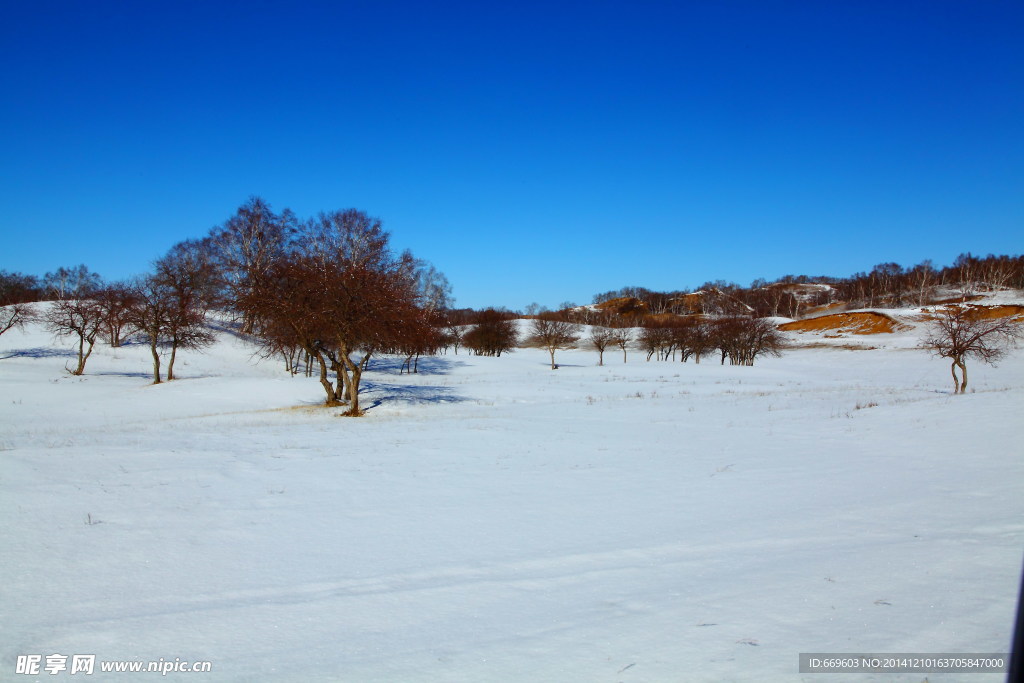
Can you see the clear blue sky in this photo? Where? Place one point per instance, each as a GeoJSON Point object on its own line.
{"type": "Point", "coordinates": [533, 151]}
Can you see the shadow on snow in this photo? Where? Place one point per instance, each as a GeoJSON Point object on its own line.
{"type": "Point", "coordinates": [428, 365]}
{"type": "Point", "coordinates": [40, 352]}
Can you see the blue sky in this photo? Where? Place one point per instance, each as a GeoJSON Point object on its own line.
{"type": "Point", "coordinates": [532, 151]}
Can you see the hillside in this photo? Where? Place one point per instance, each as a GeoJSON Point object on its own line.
{"type": "Point", "coordinates": [491, 519]}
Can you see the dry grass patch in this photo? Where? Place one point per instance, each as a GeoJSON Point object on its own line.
{"type": "Point", "coordinates": [863, 322]}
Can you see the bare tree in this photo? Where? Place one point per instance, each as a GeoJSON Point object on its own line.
{"type": "Point", "coordinates": [493, 333]}
{"type": "Point", "coordinates": [453, 335]}
{"type": "Point", "coordinates": [960, 333]}
{"type": "Point", "coordinates": [622, 337]}
{"type": "Point", "coordinates": [600, 339]}
{"type": "Point", "coordinates": [150, 315]}
{"type": "Point", "coordinates": [80, 318]}
{"type": "Point", "coordinates": [15, 316]}
{"type": "Point", "coordinates": [552, 334]}
{"type": "Point", "coordinates": [115, 301]}
{"type": "Point", "coordinates": [187, 274]}
{"type": "Point", "coordinates": [339, 293]}
{"type": "Point", "coordinates": [247, 245]}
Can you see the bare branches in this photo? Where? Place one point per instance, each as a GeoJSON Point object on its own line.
{"type": "Point", "coordinates": [80, 318]}
{"type": "Point", "coordinates": [492, 334]}
{"type": "Point", "coordinates": [552, 334]}
{"type": "Point", "coordinates": [961, 333]}
{"type": "Point", "coordinates": [15, 316]}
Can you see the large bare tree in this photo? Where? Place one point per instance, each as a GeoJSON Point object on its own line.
{"type": "Point", "coordinates": [962, 332]}
{"type": "Point", "coordinates": [339, 293]}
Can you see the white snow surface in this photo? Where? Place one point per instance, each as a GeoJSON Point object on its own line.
{"type": "Point", "coordinates": [493, 520]}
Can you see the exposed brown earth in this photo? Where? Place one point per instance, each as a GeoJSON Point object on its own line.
{"type": "Point", "coordinates": [862, 322]}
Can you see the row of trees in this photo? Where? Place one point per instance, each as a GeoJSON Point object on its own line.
{"type": "Point", "coordinates": [329, 288]}
{"type": "Point", "coordinates": [887, 284]}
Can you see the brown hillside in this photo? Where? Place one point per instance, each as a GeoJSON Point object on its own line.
{"type": "Point", "coordinates": [863, 322]}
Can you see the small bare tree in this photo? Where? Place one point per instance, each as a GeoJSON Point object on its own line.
{"type": "Point", "coordinates": [493, 333]}
{"type": "Point", "coordinates": [551, 334]}
{"type": "Point", "coordinates": [15, 315]}
{"type": "Point", "coordinates": [961, 333]}
{"type": "Point", "coordinates": [622, 337]}
{"type": "Point", "coordinates": [601, 338]}
{"type": "Point", "coordinates": [81, 318]}
{"type": "Point", "coordinates": [115, 301]}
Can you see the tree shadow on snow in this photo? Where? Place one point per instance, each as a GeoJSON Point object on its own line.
{"type": "Point", "coordinates": [389, 393]}
{"type": "Point", "coordinates": [428, 365]}
{"type": "Point", "coordinates": [40, 352]}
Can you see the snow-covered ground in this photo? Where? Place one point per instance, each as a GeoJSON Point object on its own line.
{"type": "Point", "coordinates": [492, 519]}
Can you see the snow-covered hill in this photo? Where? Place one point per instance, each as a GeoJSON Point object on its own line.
{"type": "Point", "coordinates": [491, 519]}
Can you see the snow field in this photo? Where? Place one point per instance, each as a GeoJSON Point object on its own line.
{"type": "Point", "coordinates": [491, 519]}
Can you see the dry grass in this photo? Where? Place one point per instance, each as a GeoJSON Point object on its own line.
{"type": "Point", "coordinates": [978, 312]}
{"type": "Point", "coordinates": [865, 322]}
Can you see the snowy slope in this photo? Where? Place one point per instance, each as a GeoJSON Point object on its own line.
{"type": "Point", "coordinates": [491, 519]}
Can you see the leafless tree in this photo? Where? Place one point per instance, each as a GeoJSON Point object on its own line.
{"type": "Point", "coordinates": [339, 293]}
{"type": "Point", "coordinates": [622, 337]}
{"type": "Point", "coordinates": [115, 301]}
{"type": "Point", "coordinates": [550, 333]}
{"type": "Point", "coordinates": [453, 335]}
{"type": "Point", "coordinates": [80, 318]}
{"type": "Point", "coordinates": [150, 315]}
{"type": "Point", "coordinates": [187, 274]}
{"type": "Point", "coordinates": [493, 333]}
{"type": "Point", "coordinates": [601, 338]}
{"type": "Point", "coordinates": [655, 339]}
{"type": "Point", "coordinates": [247, 245]}
{"type": "Point", "coordinates": [961, 332]}
{"type": "Point", "coordinates": [15, 316]}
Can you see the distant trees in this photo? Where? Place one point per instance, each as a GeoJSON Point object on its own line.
{"type": "Point", "coordinates": [549, 332]}
{"type": "Point", "coordinates": [960, 333]}
{"type": "Point", "coordinates": [739, 339]}
{"type": "Point", "coordinates": [70, 283]}
{"type": "Point", "coordinates": [16, 292]}
{"type": "Point", "coordinates": [18, 288]}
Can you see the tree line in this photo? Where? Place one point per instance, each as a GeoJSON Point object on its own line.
{"type": "Point", "coordinates": [328, 293]}
{"type": "Point", "coordinates": [887, 284]}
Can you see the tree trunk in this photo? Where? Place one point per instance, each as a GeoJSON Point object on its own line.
{"type": "Point", "coordinates": [331, 399]}
{"type": "Point", "coordinates": [156, 360]}
{"type": "Point", "coordinates": [552, 352]}
{"type": "Point", "coordinates": [81, 352]}
{"type": "Point", "coordinates": [963, 375]}
{"type": "Point", "coordinates": [170, 363]}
